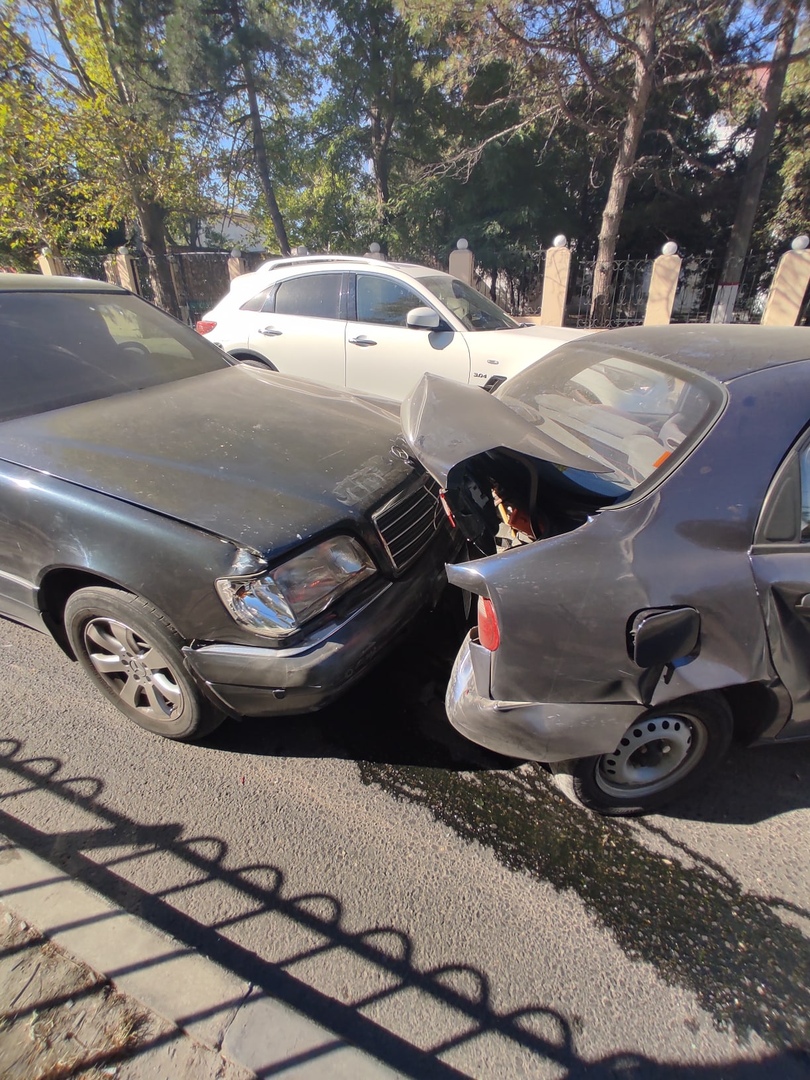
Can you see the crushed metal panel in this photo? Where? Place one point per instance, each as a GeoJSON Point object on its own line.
{"type": "Point", "coordinates": [446, 423]}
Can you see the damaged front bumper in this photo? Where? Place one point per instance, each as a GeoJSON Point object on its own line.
{"type": "Point", "coordinates": [247, 680]}
{"type": "Point", "coordinates": [539, 731]}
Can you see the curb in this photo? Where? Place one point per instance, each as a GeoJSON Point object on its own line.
{"type": "Point", "coordinates": [211, 1004]}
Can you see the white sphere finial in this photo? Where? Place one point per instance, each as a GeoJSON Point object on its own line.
{"type": "Point", "coordinates": [374, 248]}
{"type": "Point", "coordinates": [45, 251]}
{"type": "Point", "coordinates": [801, 243]}
{"type": "Point", "coordinates": [462, 244]}
{"type": "Point", "coordinates": [669, 248]}
{"type": "Point", "coordinates": [560, 241]}
{"type": "Point", "coordinates": [123, 250]}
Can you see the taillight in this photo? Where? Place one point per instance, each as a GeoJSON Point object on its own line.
{"type": "Point", "coordinates": [204, 326]}
{"type": "Point", "coordinates": [489, 634]}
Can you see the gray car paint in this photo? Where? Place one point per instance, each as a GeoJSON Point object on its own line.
{"type": "Point", "coordinates": [163, 491]}
{"type": "Point", "coordinates": [445, 422]}
{"type": "Point", "coordinates": [232, 452]}
{"type": "Point", "coordinates": [565, 604]}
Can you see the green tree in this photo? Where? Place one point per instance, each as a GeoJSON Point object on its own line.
{"type": "Point", "coordinates": [121, 130]}
{"type": "Point", "coordinates": [246, 62]}
{"type": "Point", "coordinates": [792, 213]}
{"type": "Point", "coordinates": [597, 65]}
{"type": "Point", "coordinates": [386, 98]}
{"type": "Point", "coordinates": [757, 163]}
{"type": "Point", "coordinates": [44, 197]}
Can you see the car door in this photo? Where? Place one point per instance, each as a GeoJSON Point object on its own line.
{"type": "Point", "coordinates": [386, 357]}
{"type": "Point", "coordinates": [780, 559]}
{"type": "Point", "coordinates": [300, 326]}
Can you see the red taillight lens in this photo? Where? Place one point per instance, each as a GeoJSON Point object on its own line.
{"type": "Point", "coordinates": [204, 326]}
{"type": "Point", "coordinates": [489, 635]}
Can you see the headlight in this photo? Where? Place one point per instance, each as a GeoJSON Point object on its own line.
{"type": "Point", "coordinates": [276, 603]}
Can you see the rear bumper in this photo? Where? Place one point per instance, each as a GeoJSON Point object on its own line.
{"type": "Point", "coordinates": [256, 681]}
{"type": "Point", "coordinates": [539, 731]}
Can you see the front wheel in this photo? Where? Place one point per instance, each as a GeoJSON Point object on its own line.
{"type": "Point", "coordinates": [132, 654]}
{"type": "Point", "coordinates": [668, 750]}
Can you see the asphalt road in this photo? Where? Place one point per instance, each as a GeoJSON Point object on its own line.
{"type": "Point", "coordinates": [443, 908]}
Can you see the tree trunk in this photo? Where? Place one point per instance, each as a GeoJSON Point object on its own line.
{"type": "Point", "coordinates": [152, 224]}
{"type": "Point", "coordinates": [623, 169]}
{"type": "Point", "coordinates": [260, 160]}
{"type": "Point", "coordinates": [755, 168]}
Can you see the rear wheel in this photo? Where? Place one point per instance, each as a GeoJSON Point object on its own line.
{"type": "Point", "coordinates": [668, 750]}
{"type": "Point", "coordinates": [132, 653]}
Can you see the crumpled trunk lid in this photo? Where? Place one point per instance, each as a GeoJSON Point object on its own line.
{"type": "Point", "coordinates": [446, 423]}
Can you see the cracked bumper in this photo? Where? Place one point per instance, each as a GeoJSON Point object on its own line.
{"type": "Point", "coordinates": [539, 731]}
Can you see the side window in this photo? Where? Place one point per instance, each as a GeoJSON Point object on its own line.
{"type": "Point", "coordinates": [383, 300]}
{"type": "Point", "coordinates": [786, 511]}
{"type": "Point", "coordinates": [315, 295]}
{"type": "Point", "coordinates": [262, 301]}
{"type": "Point", "coordinates": [804, 469]}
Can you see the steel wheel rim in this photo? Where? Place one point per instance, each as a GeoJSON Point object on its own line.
{"type": "Point", "coordinates": [135, 671]}
{"type": "Point", "coordinates": [652, 755]}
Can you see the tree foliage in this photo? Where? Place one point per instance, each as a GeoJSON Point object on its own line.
{"type": "Point", "coordinates": [334, 123]}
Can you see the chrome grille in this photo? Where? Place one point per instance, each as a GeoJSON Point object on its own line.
{"type": "Point", "coordinates": [408, 522]}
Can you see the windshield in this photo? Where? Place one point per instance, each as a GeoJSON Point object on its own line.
{"type": "Point", "coordinates": [474, 310]}
{"type": "Point", "coordinates": [630, 414]}
{"type": "Point", "coordinates": [61, 349]}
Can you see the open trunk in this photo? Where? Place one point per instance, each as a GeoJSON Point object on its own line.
{"type": "Point", "coordinates": [580, 431]}
{"type": "Point", "coordinates": [506, 481]}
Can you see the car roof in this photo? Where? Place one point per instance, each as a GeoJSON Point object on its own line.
{"type": "Point", "coordinates": [314, 262]}
{"type": "Point", "coordinates": [720, 350]}
{"type": "Point", "coordinates": [47, 283]}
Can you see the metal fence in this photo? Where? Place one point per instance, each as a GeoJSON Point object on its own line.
{"type": "Point", "coordinates": [694, 298]}
{"type": "Point", "coordinates": [199, 278]}
{"type": "Point", "coordinates": [97, 267]}
{"type": "Point", "coordinates": [627, 296]}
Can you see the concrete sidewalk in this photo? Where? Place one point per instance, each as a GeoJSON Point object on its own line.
{"type": "Point", "coordinates": [210, 1006]}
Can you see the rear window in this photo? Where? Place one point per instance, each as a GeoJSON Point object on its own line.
{"type": "Point", "coordinates": [59, 349]}
{"type": "Point", "coordinates": [631, 414]}
{"type": "Point", "coordinates": [316, 296]}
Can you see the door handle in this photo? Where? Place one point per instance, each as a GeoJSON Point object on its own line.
{"type": "Point", "coordinates": [803, 605]}
{"type": "Point", "coordinates": [361, 340]}
{"type": "Point", "coordinates": [270, 331]}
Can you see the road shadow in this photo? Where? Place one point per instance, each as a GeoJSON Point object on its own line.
{"type": "Point", "coordinates": [395, 715]}
{"type": "Point", "coordinates": [751, 785]}
{"type": "Point", "coordinates": [698, 928]}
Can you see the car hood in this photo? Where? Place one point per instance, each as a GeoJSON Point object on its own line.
{"type": "Point", "coordinates": [446, 422]}
{"type": "Point", "coordinates": [256, 457]}
{"type": "Point", "coordinates": [510, 351]}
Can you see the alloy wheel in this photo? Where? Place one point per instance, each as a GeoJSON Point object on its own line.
{"type": "Point", "coordinates": [135, 670]}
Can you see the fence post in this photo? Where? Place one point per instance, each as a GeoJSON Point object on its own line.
{"type": "Point", "coordinates": [127, 274]}
{"type": "Point", "coordinates": [374, 252]}
{"type": "Point", "coordinates": [663, 286]}
{"type": "Point", "coordinates": [462, 262]}
{"type": "Point", "coordinates": [789, 285]}
{"type": "Point", "coordinates": [236, 264]}
{"type": "Point", "coordinates": [50, 264]}
{"type": "Point", "coordinates": [555, 283]}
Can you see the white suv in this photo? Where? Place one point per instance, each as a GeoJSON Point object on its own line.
{"type": "Point", "coordinates": [371, 325]}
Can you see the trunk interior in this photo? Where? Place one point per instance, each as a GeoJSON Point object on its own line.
{"type": "Point", "coordinates": [502, 499]}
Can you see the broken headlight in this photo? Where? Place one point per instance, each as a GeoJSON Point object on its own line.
{"type": "Point", "coordinates": [276, 603]}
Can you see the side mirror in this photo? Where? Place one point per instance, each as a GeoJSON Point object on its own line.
{"type": "Point", "coordinates": [661, 636]}
{"type": "Point", "coordinates": [423, 318]}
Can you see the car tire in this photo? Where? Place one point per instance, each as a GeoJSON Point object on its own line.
{"type": "Point", "coordinates": [132, 653]}
{"type": "Point", "coordinates": [667, 751]}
